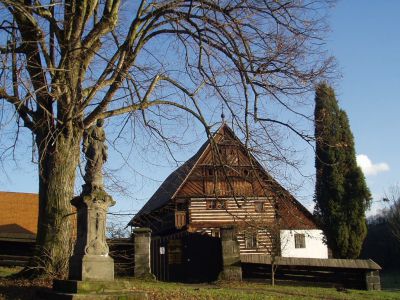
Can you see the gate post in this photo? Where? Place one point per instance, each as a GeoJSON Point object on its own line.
{"type": "Point", "coordinates": [231, 269]}
{"type": "Point", "coordinates": [372, 280]}
{"type": "Point", "coordinates": [142, 253]}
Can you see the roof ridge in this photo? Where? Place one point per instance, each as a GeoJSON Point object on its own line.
{"type": "Point", "coordinates": [28, 193]}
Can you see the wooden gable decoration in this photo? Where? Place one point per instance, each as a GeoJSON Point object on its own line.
{"type": "Point", "coordinates": [224, 169]}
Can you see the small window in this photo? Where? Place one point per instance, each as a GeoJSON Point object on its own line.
{"type": "Point", "coordinates": [299, 240]}
{"type": "Point", "coordinates": [215, 204]}
{"type": "Point", "coordinates": [259, 206]}
{"type": "Point", "coordinates": [250, 239]}
{"type": "Point", "coordinates": [215, 232]}
{"type": "Point", "coordinates": [210, 172]}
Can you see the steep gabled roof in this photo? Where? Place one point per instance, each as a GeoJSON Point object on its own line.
{"type": "Point", "coordinates": [172, 184]}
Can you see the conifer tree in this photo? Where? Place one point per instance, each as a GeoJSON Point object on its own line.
{"type": "Point", "coordinates": [341, 194]}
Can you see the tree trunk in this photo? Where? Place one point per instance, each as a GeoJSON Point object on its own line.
{"type": "Point", "coordinates": [58, 160]}
{"type": "Point", "coordinates": [272, 273]}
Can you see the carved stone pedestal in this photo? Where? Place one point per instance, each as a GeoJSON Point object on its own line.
{"type": "Point", "coordinates": [91, 270]}
{"type": "Point", "coordinates": [90, 260]}
{"type": "Point", "coordinates": [91, 267]}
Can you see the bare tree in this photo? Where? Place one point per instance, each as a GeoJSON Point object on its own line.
{"type": "Point", "coordinates": [272, 230]}
{"type": "Point", "coordinates": [65, 64]}
{"type": "Point", "coordinates": [393, 211]}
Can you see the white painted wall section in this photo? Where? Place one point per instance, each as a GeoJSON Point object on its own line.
{"type": "Point", "coordinates": [314, 244]}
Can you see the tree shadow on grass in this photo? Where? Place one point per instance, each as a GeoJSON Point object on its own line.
{"type": "Point", "coordinates": [22, 289]}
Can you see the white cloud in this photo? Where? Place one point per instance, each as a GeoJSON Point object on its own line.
{"type": "Point", "coordinates": [370, 168]}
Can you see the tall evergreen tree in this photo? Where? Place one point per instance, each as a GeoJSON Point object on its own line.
{"type": "Point", "coordinates": [341, 194]}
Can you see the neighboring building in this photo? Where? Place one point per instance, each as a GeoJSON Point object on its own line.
{"type": "Point", "coordinates": [19, 221]}
{"type": "Point", "coordinates": [224, 185]}
{"type": "Point", "coordinates": [18, 216]}
{"type": "Point", "coordinates": [18, 226]}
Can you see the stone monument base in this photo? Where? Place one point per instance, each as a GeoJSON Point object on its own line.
{"type": "Point", "coordinates": [92, 290]}
{"type": "Point", "coordinates": [91, 267]}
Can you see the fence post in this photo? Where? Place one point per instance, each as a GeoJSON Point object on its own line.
{"type": "Point", "coordinates": [142, 253]}
{"type": "Point", "coordinates": [231, 267]}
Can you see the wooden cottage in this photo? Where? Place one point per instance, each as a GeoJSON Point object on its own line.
{"type": "Point", "coordinates": [18, 226]}
{"type": "Point", "coordinates": [224, 185]}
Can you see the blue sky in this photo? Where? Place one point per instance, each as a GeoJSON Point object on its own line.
{"type": "Point", "coordinates": [365, 39]}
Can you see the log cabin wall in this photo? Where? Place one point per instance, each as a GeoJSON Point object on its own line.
{"type": "Point", "coordinates": [263, 243]}
{"type": "Point", "coordinates": [203, 212]}
{"type": "Point", "coordinates": [206, 218]}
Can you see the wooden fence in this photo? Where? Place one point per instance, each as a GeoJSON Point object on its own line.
{"type": "Point", "coordinates": [15, 252]}
{"type": "Point", "coordinates": [346, 273]}
{"type": "Point", "coordinates": [123, 253]}
{"type": "Point", "coordinates": [18, 253]}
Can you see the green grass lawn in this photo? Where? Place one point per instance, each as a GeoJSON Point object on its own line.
{"type": "Point", "coordinates": [26, 289]}
{"type": "Point", "coordinates": [6, 271]}
{"type": "Point", "coordinates": [247, 290]}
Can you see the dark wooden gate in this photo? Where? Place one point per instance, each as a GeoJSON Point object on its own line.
{"type": "Point", "coordinates": [122, 250]}
{"type": "Point", "coordinates": [186, 257]}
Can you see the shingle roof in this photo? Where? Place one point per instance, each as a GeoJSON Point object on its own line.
{"type": "Point", "coordinates": [170, 185]}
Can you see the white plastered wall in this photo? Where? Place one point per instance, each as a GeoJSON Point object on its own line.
{"type": "Point", "coordinates": [315, 246]}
